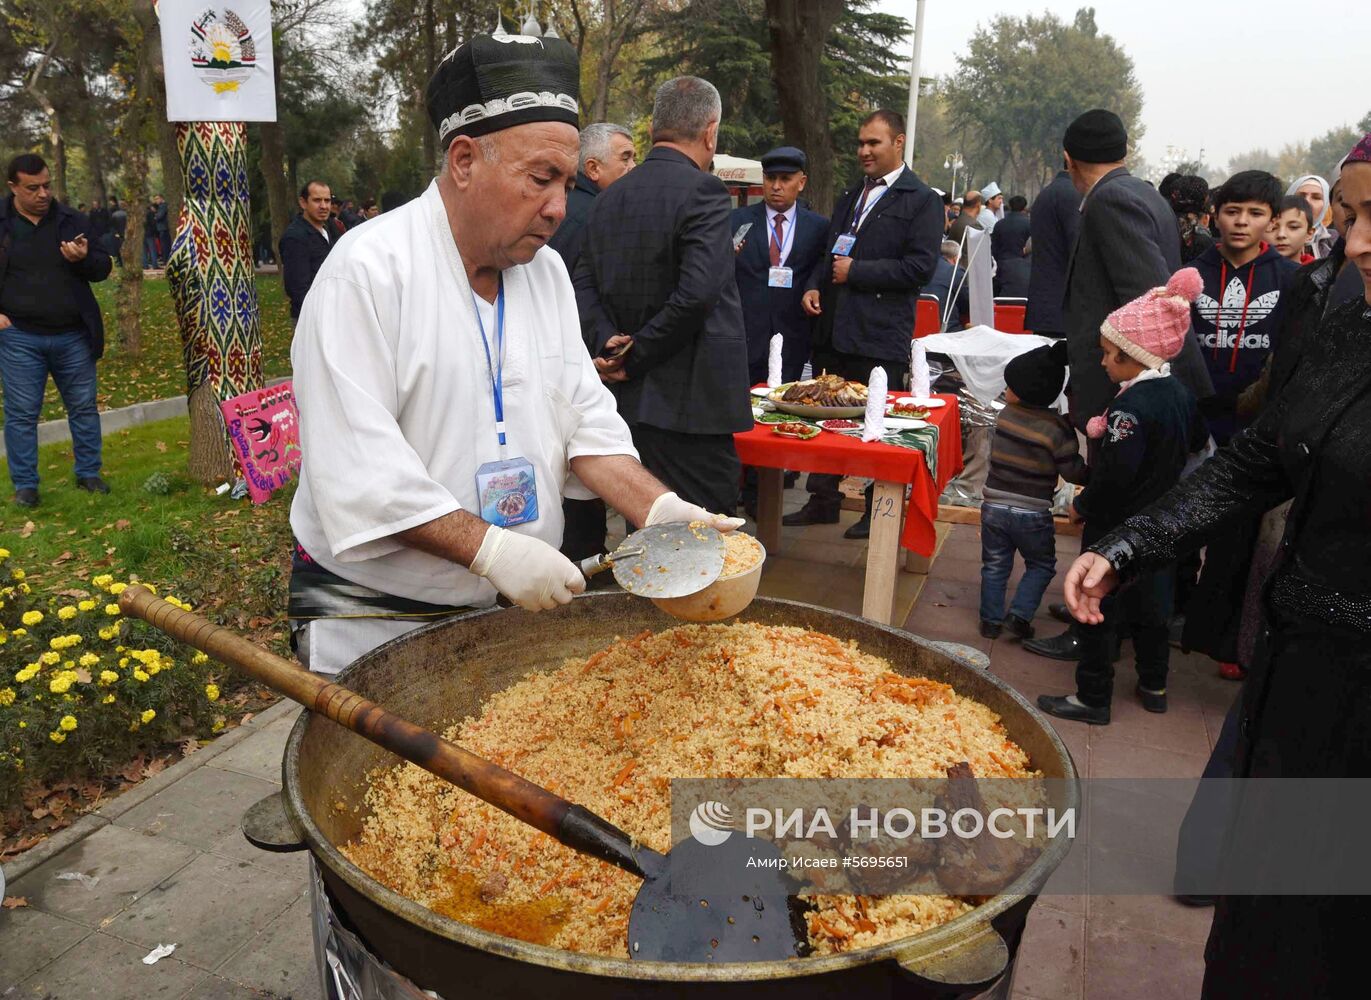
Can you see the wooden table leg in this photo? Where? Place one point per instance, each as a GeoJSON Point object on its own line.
{"type": "Point", "coordinates": [770, 496]}
{"type": "Point", "coordinates": [883, 552]}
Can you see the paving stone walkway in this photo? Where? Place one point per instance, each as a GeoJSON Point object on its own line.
{"type": "Point", "coordinates": [173, 867]}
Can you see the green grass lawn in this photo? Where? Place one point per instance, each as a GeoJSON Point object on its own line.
{"type": "Point", "coordinates": [159, 372]}
{"type": "Point", "coordinates": [227, 557]}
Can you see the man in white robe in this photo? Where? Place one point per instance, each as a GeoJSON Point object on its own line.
{"type": "Point", "coordinates": [396, 377]}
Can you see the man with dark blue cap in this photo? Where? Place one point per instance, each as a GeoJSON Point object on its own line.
{"type": "Point", "coordinates": [774, 263]}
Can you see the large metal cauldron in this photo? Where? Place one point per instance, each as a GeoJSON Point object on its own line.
{"type": "Point", "coordinates": [441, 673]}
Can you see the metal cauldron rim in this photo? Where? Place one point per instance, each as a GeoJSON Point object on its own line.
{"type": "Point", "coordinates": [943, 938]}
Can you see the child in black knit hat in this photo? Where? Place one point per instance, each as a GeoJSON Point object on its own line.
{"type": "Point", "coordinates": [1032, 445]}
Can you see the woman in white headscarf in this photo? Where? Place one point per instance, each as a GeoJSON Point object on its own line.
{"type": "Point", "coordinates": [1314, 189]}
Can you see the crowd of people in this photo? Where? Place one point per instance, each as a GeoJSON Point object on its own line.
{"type": "Point", "coordinates": [552, 326]}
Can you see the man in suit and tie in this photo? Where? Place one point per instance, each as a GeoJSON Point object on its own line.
{"type": "Point", "coordinates": [882, 248]}
{"type": "Point", "coordinates": [659, 302]}
{"type": "Point", "coordinates": [775, 262]}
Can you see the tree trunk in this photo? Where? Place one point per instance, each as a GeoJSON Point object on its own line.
{"type": "Point", "coordinates": [799, 31]}
{"type": "Point", "coordinates": [210, 461]}
{"type": "Point", "coordinates": [173, 188]}
{"type": "Point", "coordinates": [273, 167]}
{"type": "Point", "coordinates": [128, 296]}
{"type": "Point", "coordinates": [55, 143]}
{"type": "Point", "coordinates": [430, 64]}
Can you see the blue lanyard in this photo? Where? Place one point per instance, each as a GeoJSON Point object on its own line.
{"type": "Point", "coordinates": [784, 244]}
{"type": "Point", "coordinates": [496, 369]}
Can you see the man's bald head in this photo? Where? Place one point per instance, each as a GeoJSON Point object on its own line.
{"type": "Point", "coordinates": [970, 200]}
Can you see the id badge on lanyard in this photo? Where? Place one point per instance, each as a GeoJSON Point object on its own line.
{"type": "Point", "coordinates": [507, 490]}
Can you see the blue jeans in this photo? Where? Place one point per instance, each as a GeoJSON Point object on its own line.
{"type": "Point", "coordinates": [1004, 531]}
{"type": "Point", "coordinates": [26, 360]}
{"type": "Point", "coordinates": [150, 251]}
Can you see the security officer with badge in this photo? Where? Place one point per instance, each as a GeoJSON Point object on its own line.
{"type": "Point", "coordinates": [783, 243]}
{"type": "Point", "coordinates": [881, 249]}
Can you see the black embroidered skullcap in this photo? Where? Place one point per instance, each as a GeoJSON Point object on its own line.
{"type": "Point", "coordinates": [494, 82]}
{"type": "Point", "coordinates": [1097, 136]}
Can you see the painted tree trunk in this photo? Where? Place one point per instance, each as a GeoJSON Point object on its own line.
{"type": "Point", "coordinates": [213, 287]}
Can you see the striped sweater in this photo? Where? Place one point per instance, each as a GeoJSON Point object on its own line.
{"type": "Point", "coordinates": [1031, 447]}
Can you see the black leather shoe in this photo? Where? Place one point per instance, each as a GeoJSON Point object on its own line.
{"type": "Point", "coordinates": [861, 528]}
{"type": "Point", "coordinates": [1018, 627]}
{"type": "Point", "coordinates": [1151, 700]}
{"type": "Point", "coordinates": [27, 497]}
{"type": "Point", "coordinates": [1059, 647]}
{"type": "Point", "coordinates": [1062, 613]}
{"type": "Point", "coordinates": [1064, 709]}
{"type": "Point", "coordinates": [990, 630]}
{"type": "Point", "coordinates": [810, 514]}
{"type": "Point", "coordinates": [92, 484]}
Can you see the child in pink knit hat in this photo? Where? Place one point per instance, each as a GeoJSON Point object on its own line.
{"type": "Point", "coordinates": [1146, 436]}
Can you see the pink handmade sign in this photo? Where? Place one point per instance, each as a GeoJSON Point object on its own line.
{"type": "Point", "coordinates": [264, 427]}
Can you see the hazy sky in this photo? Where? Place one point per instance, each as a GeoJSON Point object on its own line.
{"type": "Point", "coordinates": [1218, 75]}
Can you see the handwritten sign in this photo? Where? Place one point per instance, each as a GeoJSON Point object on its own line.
{"type": "Point", "coordinates": [264, 428]}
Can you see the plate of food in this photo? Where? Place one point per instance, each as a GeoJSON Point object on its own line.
{"type": "Point", "coordinates": [797, 430]}
{"type": "Point", "coordinates": [901, 408]}
{"type": "Point", "coordinates": [841, 425]}
{"type": "Point", "coordinates": [821, 397]}
{"type": "Point", "coordinates": [761, 390]}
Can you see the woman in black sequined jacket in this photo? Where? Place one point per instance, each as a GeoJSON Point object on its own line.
{"type": "Point", "coordinates": [1306, 710]}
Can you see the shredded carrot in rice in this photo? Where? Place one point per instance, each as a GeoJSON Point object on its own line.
{"type": "Point", "coordinates": [722, 701]}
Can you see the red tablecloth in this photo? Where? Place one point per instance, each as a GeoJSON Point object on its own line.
{"type": "Point", "coordinates": [849, 456]}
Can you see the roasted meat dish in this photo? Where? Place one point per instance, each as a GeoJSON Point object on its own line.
{"type": "Point", "coordinates": [826, 390]}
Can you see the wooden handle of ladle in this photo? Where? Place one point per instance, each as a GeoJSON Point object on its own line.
{"type": "Point", "coordinates": [571, 824]}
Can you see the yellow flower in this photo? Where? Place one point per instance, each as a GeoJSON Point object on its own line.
{"type": "Point", "coordinates": [24, 588]}
{"type": "Point", "coordinates": [199, 658]}
{"type": "Point", "coordinates": [31, 617]}
{"type": "Point", "coordinates": [66, 612]}
{"type": "Point", "coordinates": [57, 736]}
{"type": "Point", "coordinates": [108, 677]}
{"type": "Point", "coordinates": [6, 696]}
{"type": "Point", "coordinates": [20, 631]}
{"type": "Point", "coordinates": [86, 605]}
{"type": "Point", "coordinates": [67, 724]}
{"type": "Point", "coordinates": [123, 661]}
{"type": "Point", "coordinates": [27, 674]}
{"type": "Point", "coordinates": [4, 553]}
{"type": "Point", "coordinates": [88, 660]}
{"type": "Point", "coordinates": [109, 632]}
{"type": "Point", "coordinates": [17, 574]}
{"type": "Point", "coordinates": [148, 716]}
{"type": "Point", "coordinates": [117, 588]}
{"type": "Point", "coordinates": [109, 698]}
{"type": "Point", "coordinates": [212, 692]}
{"type": "Point", "coordinates": [60, 684]}
{"type": "Point", "coordinates": [140, 675]}
{"type": "Point", "coordinates": [50, 657]}
{"type": "Point", "coordinates": [23, 724]}
{"type": "Point", "coordinates": [218, 724]}
{"type": "Point", "coordinates": [103, 581]}
{"type": "Point", "coordinates": [111, 609]}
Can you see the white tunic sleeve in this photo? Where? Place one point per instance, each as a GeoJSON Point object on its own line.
{"type": "Point", "coordinates": [367, 481]}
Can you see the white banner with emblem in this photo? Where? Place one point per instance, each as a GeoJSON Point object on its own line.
{"type": "Point", "coordinates": [218, 60]}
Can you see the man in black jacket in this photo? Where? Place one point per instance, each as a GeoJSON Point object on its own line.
{"type": "Point", "coordinates": [1052, 224]}
{"type": "Point", "coordinates": [659, 303]}
{"type": "Point", "coordinates": [306, 242]}
{"type": "Point", "coordinates": [606, 155]}
{"type": "Point", "coordinates": [883, 244]}
{"type": "Point", "coordinates": [1008, 244]}
{"type": "Point", "coordinates": [49, 324]}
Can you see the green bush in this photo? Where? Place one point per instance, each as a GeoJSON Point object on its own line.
{"type": "Point", "coordinates": [83, 688]}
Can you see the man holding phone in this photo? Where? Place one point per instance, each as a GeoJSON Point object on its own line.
{"type": "Point", "coordinates": [49, 324]}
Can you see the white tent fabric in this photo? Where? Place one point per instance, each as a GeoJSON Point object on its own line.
{"type": "Point", "coordinates": [736, 170]}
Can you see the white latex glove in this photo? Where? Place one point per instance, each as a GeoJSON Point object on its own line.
{"type": "Point", "coordinates": [669, 507]}
{"type": "Point", "coordinates": [527, 570]}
